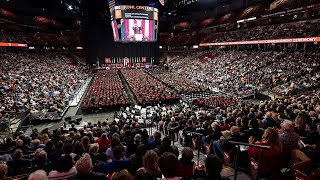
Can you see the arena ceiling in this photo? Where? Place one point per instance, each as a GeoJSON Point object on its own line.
{"type": "Point", "coordinates": [174, 9]}
{"type": "Point", "coordinates": [70, 13]}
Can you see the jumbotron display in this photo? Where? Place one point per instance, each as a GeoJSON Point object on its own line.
{"type": "Point", "coordinates": [134, 23]}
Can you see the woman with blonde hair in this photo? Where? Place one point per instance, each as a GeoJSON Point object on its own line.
{"type": "Point", "coordinates": [150, 169]}
{"type": "Point", "coordinates": [271, 160]}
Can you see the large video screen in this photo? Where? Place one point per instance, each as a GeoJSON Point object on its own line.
{"type": "Point", "coordinates": [134, 23]}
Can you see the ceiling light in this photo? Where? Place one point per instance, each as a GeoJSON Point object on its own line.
{"type": "Point", "coordinates": [70, 7]}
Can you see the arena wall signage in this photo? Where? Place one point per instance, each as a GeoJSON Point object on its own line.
{"type": "Point", "coordinates": [5, 44]}
{"type": "Point", "coordinates": [270, 41]}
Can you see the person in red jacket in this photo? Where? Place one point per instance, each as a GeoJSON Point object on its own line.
{"type": "Point", "coordinates": [103, 142]}
{"type": "Point", "coordinates": [271, 159]}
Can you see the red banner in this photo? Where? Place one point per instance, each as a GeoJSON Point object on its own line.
{"type": "Point", "coordinates": [270, 41]}
{"type": "Point", "coordinates": [13, 44]}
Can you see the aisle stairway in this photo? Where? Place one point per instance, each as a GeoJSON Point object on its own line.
{"type": "Point", "coordinates": [128, 90]}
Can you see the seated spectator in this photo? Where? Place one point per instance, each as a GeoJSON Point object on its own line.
{"type": "Point", "coordinates": [136, 160]}
{"type": "Point", "coordinates": [300, 125]}
{"type": "Point", "coordinates": [41, 161]}
{"type": "Point", "coordinates": [223, 147]}
{"type": "Point", "coordinates": [118, 162]}
{"type": "Point", "coordinates": [150, 169]}
{"type": "Point", "coordinates": [73, 128]}
{"type": "Point", "coordinates": [3, 171]}
{"type": "Point", "coordinates": [85, 142]}
{"type": "Point", "coordinates": [103, 142]}
{"type": "Point", "coordinates": [55, 155]}
{"type": "Point", "coordinates": [289, 139]}
{"type": "Point", "coordinates": [211, 170]}
{"type": "Point", "coordinates": [165, 147]}
{"type": "Point", "coordinates": [186, 165]}
{"type": "Point", "coordinates": [254, 131]}
{"type": "Point", "coordinates": [168, 163]}
{"type": "Point", "coordinates": [84, 170]}
{"type": "Point", "coordinates": [271, 158]}
{"type": "Point", "coordinates": [156, 143]}
{"type": "Point", "coordinates": [64, 168]}
{"type": "Point", "coordinates": [24, 148]}
{"type": "Point", "coordinates": [184, 135]}
{"type": "Point", "coordinates": [115, 141]}
{"type": "Point", "coordinates": [17, 165]}
{"type": "Point", "coordinates": [133, 146]}
{"type": "Point", "coordinates": [269, 121]}
{"type": "Point", "coordinates": [313, 137]}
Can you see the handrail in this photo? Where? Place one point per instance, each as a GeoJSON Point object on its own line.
{"type": "Point", "coordinates": [250, 145]}
{"type": "Point", "coordinates": [190, 133]}
{"type": "Point", "coordinates": [238, 144]}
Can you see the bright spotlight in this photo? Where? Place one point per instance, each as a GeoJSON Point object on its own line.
{"type": "Point", "coordinates": [70, 7]}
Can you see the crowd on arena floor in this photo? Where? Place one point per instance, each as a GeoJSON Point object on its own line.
{"type": "Point", "coordinates": [215, 101]}
{"type": "Point", "coordinates": [106, 91]}
{"type": "Point", "coordinates": [241, 72]}
{"type": "Point", "coordinates": [148, 89]}
{"type": "Point", "coordinates": [122, 148]}
{"type": "Point", "coordinates": [176, 81]}
{"type": "Point", "coordinates": [30, 81]}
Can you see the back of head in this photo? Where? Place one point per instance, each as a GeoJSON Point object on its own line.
{"type": "Point", "coordinates": [269, 114]}
{"type": "Point", "coordinates": [157, 135]}
{"type": "Point", "coordinates": [84, 165]}
{"type": "Point", "coordinates": [187, 155]}
{"type": "Point", "coordinates": [41, 157]}
{"type": "Point", "coordinates": [287, 126]}
{"type": "Point", "coordinates": [122, 175]}
{"type": "Point", "coordinates": [254, 124]}
{"type": "Point", "coordinates": [115, 141]}
{"type": "Point", "coordinates": [150, 161]}
{"type": "Point", "coordinates": [213, 166]}
{"type": "Point", "coordinates": [103, 136]}
{"type": "Point", "coordinates": [94, 148]}
{"type": "Point", "coordinates": [166, 141]}
{"type": "Point", "coordinates": [235, 130]}
{"type": "Point", "coordinates": [117, 152]}
{"type": "Point", "coordinates": [168, 163]}
{"type": "Point", "coordinates": [64, 163]}
{"type": "Point", "coordinates": [38, 175]}
{"type": "Point", "coordinates": [3, 170]}
{"type": "Point", "coordinates": [271, 135]}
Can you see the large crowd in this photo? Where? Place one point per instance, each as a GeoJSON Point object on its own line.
{"type": "Point", "coordinates": [123, 149]}
{"type": "Point", "coordinates": [217, 101]}
{"type": "Point", "coordinates": [177, 81]}
{"type": "Point", "coordinates": [29, 81]}
{"type": "Point", "coordinates": [279, 31]}
{"type": "Point", "coordinates": [106, 92]}
{"type": "Point", "coordinates": [242, 72]}
{"type": "Point", "coordinates": [148, 89]}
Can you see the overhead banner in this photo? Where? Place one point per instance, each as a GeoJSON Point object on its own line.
{"type": "Point", "coordinates": [4, 44]}
{"type": "Point", "coordinates": [270, 41]}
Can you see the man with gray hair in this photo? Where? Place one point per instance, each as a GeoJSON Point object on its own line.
{"type": "Point", "coordinates": [84, 170]}
{"type": "Point", "coordinates": [38, 175]}
{"type": "Point", "coordinates": [288, 138]}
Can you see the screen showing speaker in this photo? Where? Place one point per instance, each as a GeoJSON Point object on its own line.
{"type": "Point", "coordinates": [134, 23]}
